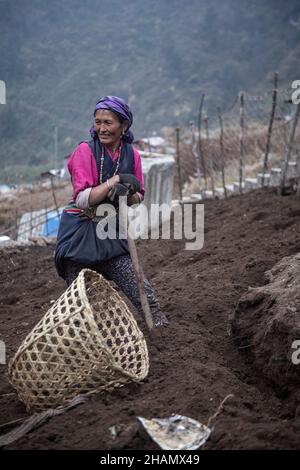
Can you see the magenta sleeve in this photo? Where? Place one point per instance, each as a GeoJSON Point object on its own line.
{"type": "Point", "coordinates": [83, 169]}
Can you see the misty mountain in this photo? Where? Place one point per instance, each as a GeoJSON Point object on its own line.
{"type": "Point", "coordinates": [58, 58]}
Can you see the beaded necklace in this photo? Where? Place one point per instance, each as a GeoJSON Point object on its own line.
{"type": "Point", "coordinates": [102, 162]}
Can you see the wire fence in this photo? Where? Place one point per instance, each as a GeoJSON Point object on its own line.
{"type": "Point", "coordinates": [251, 135]}
{"type": "Point", "coordinates": [40, 222]}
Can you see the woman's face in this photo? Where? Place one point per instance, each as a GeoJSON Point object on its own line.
{"type": "Point", "coordinates": [108, 127]}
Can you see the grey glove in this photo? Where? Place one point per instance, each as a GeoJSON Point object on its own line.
{"type": "Point", "coordinates": [118, 190]}
{"type": "Point", "coordinates": [132, 181]}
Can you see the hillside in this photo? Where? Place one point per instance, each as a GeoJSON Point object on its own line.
{"type": "Point", "coordinates": [58, 58]}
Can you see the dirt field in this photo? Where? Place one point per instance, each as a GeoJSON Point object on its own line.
{"type": "Point", "coordinates": [197, 362]}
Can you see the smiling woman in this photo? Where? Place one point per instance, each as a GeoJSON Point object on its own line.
{"type": "Point", "coordinates": [103, 169]}
{"type": "Point", "coordinates": [109, 127]}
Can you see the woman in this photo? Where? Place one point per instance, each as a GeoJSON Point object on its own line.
{"type": "Point", "coordinates": [102, 169]}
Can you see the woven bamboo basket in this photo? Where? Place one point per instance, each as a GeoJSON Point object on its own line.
{"type": "Point", "coordinates": [87, 342]}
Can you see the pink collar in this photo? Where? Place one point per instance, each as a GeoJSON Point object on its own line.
{"type": "Point", "coordinates": [115, 154]}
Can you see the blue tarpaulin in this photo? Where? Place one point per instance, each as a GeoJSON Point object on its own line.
{"type": "Point", "coordinates": [50, 227]}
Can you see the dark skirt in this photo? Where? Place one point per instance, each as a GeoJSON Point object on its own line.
{"type": "Point", "coordinates": [77, 241]}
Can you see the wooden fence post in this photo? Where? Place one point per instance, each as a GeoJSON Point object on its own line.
{"type": "Point", "coordinates": [178, 161]}
{"type": "Point", "coordinates": [298, 171]}
{"type": "Point", "coordinates": [202, 156]}
{"type": "Point", "coordinates": [242, 127]}
{"type": "Point", "coordinates": [196, 154]}
{"type": "Point", "coordinates": [54, 197]}
{"type": "Point", "coordinates": [222, 151]}
{"type": "Point", "coordinates": [272, 115]}
{"type": "Point", "coordinates": [209, 156]}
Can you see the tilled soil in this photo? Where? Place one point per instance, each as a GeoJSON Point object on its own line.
{"type": "Point", "coordinates": [196, 362]}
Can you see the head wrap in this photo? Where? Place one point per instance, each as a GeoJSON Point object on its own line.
{"type": "Point", "coordinates": [120, 107]}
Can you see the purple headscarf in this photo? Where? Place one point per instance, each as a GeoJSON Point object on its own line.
{"type": "Point", "coordinates": [119, 106]}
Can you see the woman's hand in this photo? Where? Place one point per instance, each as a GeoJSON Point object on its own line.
{"type": "Point", "coordinates": [100, 192]}
{"type": "Point", "coordinates": [121, 190]}
{"type": "Point", "coordinates": [114, 180]}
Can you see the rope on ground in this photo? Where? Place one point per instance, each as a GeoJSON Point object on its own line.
{"type": "Point", "coordinates": [5, 425]}
{"type": "Point", "coordinates": [37, 420]}
{"type": "Point", "coordinates": [219, 410]}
